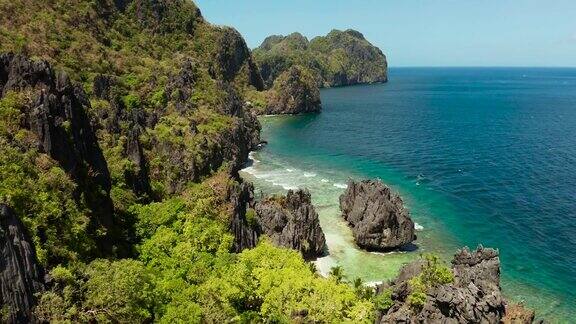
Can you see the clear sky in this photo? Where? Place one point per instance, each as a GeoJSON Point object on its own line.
{"type": "Point", "coordinates": [420, 32]}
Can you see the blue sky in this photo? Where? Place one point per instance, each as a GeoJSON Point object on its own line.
{"type": "Point", "coordinates": [420, 32]}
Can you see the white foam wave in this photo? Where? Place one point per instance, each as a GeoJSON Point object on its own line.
{"type": "Point", "coordinates": [290, 170]}
{"type": "Point", "coordinates": [418, 227]}
{"type": "Point", "coordinates": [325, 180]}
{"type": "Point", "coordinates": [340, 185]}
{"type": "Point", "coordinates": [309, 174]}
{"type": "Point", "coordinates": [251, 157]}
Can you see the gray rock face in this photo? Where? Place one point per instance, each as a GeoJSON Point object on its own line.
{"type": "Point", "coordinates": [180, 87]}
{"type": "Point", "coordinates": [376, 215]}
{"type": "Point", "coordinates": [20, 274]}
{"type": "Point", "coordinates": [245, 232]}
{"type": "Point", "coordinates": [473, 297]}
{"type": "Point", "coordinates": [58, 117]}
{"type": "Point", "coordinates": [292, 222]}
{"type": "Point", "coordinates": [137, 179]}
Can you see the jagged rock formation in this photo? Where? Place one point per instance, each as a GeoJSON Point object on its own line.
{"type": "Point", "coordinates": [294, 92]}
{"type": "Point", "coordinates": [292, 222]}
{"type": "Point", "coordinates": [21, 277]}
{"type": "Point", "coordinates": [473, 297]}
{"type": "Point", "coordinates": [58, 117]}
{"type": "Point", "coordinates": [376, 215]}
{"type": "Point", "coordinates": [246, 232]}
{"type": "Point", "coordinates": [289, 221]}
{"type": "Point", "coordinates": [337, 59]}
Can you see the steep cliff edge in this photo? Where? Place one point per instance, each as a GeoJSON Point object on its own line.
{"type": "Point", "coordinates": [376, 215]}
{"type": "Point", "coordinates": [337, 59]}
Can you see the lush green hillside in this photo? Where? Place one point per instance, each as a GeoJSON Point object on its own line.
{"type": "Point", "coordinates": [337, 59]}
{"type": "Point", "coordinates": [122, 126]}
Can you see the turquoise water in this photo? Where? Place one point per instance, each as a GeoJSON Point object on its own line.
{"type": "Point", "coordinates": [481, 156]}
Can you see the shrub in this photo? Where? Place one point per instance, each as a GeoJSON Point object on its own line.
{"type": "Point", "coordinates": [434, 273]}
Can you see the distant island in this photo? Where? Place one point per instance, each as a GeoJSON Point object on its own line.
{"type": "Point", "coordinates": [338, 59]}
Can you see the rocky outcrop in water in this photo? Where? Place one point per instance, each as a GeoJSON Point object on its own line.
{"type": "Point", "coordinates": [21, 276]}
{"type": "Point", "coordinates": [291, 222]}
{"type": "Point", "coordinates": [294, 92]}
{"type": "Point", "coordinates": [473, 297]}
{"type": "Point", "coordinates": [376, 215]}
{"type": "Point", "coordinates": [58, 117]}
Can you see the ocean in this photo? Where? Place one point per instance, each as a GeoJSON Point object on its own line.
{"type": "Point", "coordinates": [479, 155]}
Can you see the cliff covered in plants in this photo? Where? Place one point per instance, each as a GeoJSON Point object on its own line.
{"type": "Point", "coordinates": [337, 59]}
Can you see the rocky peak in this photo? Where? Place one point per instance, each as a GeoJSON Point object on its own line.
{"type": "Point", "coordinates": [355, 34]}
{"type": "Point", "coordinates": [376, 215]}
{"type": "Point", "coordinates": [270, 41]}
{"type": "Point", "coordinates": [480, 267]}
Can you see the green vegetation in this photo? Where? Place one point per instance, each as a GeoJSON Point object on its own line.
{"type": "Point", "coordinates": [434, 273]}
{"type": "Point", "coordinates": [383, 301]}
{"type": "Point", "coordinates": [185, 273]}
{"type": "Point", "coordinates": [339, 58]}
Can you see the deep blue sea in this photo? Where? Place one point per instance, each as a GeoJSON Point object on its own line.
{"type": "Point", "coordinates": [480, 155]}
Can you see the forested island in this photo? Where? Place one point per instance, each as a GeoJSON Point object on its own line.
{"type": "Point", "coordinates": [123, 125]}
